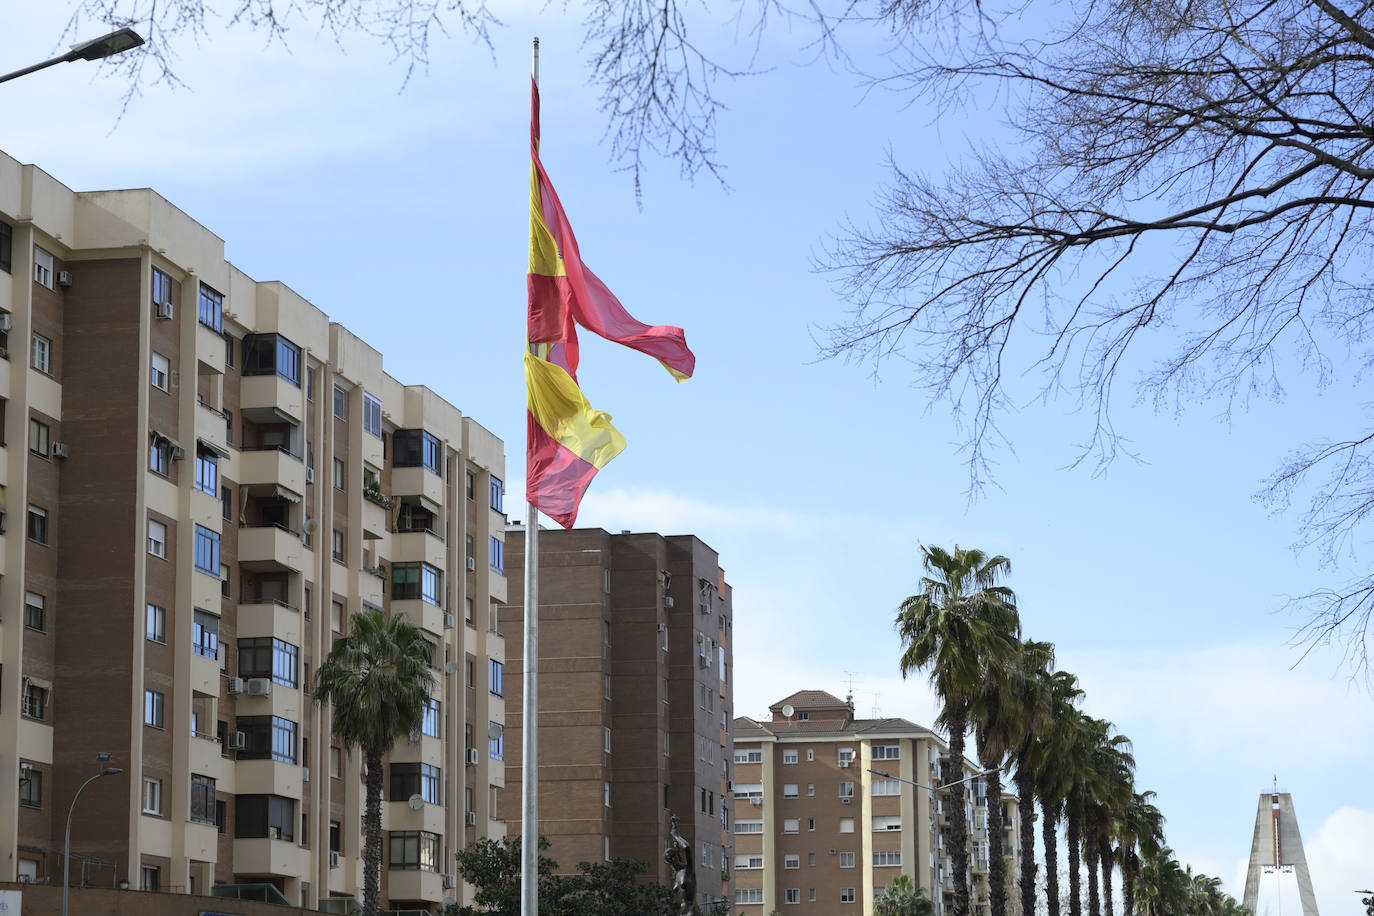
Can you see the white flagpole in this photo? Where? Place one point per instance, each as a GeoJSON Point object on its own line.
{"type": "Point", "coordinates": [529, 733]}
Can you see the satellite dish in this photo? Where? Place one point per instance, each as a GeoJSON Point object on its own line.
{"type": "Point", "coordinates": [447, 902]}
{"type": "Point", "coordinates": [787, 711]}
{"type": "Point", "coordinates": [416, 802]}
{"type": "Point", "coordinates": [450, 667]}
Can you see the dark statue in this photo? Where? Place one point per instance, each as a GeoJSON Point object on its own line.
{"type": "Point", "coordinates": [679, 857]}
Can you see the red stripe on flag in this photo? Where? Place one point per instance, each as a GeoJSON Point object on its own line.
{"type": "Point", "coordinates": [555, 478]}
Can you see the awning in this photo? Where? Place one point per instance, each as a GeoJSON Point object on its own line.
{"type": "Point", "coordinates": [38, 682]}
{"type": "Point", "coordinates": [159, 436]}
{"type": "Point", "coordinates": [430, 505]}
{"type": "Point", "coordinates": [213, 447]}
{"type": "Point", "coordinates": [270, 491]}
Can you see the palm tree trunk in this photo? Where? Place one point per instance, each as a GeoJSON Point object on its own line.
{"type": "Point", "coordinates": [1089, 853]}
{"type": "Point", "coordinates": [1105, 856]}
{"type": "Point", "coordinates": [997, 866]}
{"type": "Point", "coordinates": [1075, 825]}
{"type": "Point", "coordinates": [958, 817]}
{"type": "Point", "coordinates": [372, 823]}
{"type": "Point", "coordinates": [1128, 868]}
{"type": "Point", "coordinates": [1049, 829]}
{"type": "Point", "coordinates": [1025, 808]}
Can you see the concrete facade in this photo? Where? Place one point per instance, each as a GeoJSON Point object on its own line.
{"type": "Point", "coordinates": [636, 687]}
{"type": "Point", "coordinates": [1277, 849]}
{"type": "Point", "coordinates": [202, 478]}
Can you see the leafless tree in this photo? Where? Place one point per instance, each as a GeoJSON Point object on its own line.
{"type": "Point", "coordinates": [1184, 210]}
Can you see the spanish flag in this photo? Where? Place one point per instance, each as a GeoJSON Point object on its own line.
{"type": "Point", "coordinates": [568, 439]}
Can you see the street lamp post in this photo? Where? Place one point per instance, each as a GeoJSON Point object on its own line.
{"type": "Point", "coordinates": [939, 900]}
{"type": "Point", "coordinates": [67, 849]}
{"type": "Point", "coordinates": [95, 49]}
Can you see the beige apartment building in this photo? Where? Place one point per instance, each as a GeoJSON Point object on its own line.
{"type": "Point", "coordinates": [202, 477]}
{"type": "Point", "coordinates": [636, 686]}
{"type": "Point", "coordinates": [816, 830]}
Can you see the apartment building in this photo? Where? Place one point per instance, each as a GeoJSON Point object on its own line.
{"type": "Point", "coordinates": [202, 478]}
{"type": "Point", "coordinates": [636, 688]}
{"type": "Point", "coordinates": [816, 828]}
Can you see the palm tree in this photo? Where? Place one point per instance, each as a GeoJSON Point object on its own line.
{"type": "Point", "coordinates": [1163, 886]}
{"type": "Point", "coordinates": [378, 680]}
{"type": "Point", "coordinates": [962, 626]}
{"type": "Point", "coordinates": [1056, 767]}
{"type": "Point", "coordinates": [1110, 791]}
{"type": "Point", "coordinates": [1140, 828]}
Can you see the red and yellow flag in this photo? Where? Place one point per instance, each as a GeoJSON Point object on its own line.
{"type": "Point", "coordinates": [568, 439]}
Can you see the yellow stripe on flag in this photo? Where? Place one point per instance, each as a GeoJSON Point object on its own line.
{"type": "Point", "coordinates": [558, 405]}
{"type": "Point", "coordinates": [545, 259]}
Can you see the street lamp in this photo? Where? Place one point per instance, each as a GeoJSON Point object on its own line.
{"type": "Point", "coordinates": [67, 850]}
{"type": "Point", "coordinates": [95, 49]}
{"type": "Point", "coordinates": [940, 893]}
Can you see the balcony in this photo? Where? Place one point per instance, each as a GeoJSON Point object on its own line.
{"type": "Point", "coordinates": [417, 482]}
{"type": "Point", "coordinates": [424, 615]}
{"type": "Point", "coordinates": [412, 884]}
{"type": "Point", "coordinates": [271, 548]}
{"type": "Point", "coordinates": [399, 816]}
{"type": "Point", "coordinates": [266, 856]}
{"type": "Point", "coordinates": [267, 777]}
{"type": "Point", "coordinates": [205, 674]}
{"type": "Point", "coordinates": [419, 546]}
{"type": "Point", "coordinates": [270, 618]}
{"type": "Point", "coordinates": [206, 756]}
{"type": "Point", "coordinates": [376, 507]}
{"type": "Point", "coordinates": [268, 466]}
{"type": "Point", "coordinates": [372, 584]}
{"type": "Point", "coordinates": [264, 396]}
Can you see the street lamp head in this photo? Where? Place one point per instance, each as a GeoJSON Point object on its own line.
{"type": "Point", "coordinates": [111, 771]}
{"type": "Point", "coordinates": [105, 45]}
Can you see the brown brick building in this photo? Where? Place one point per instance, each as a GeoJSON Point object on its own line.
{"type": "Point", "coordinates": [201, 479]}
{"type": "Point", "coordinates": [636, 687]}
{"type": "Point", "coordinates": [816, 830]}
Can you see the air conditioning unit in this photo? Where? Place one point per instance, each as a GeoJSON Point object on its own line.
{"type": "Point", "coordinates": [334, 859]}
{"type": "Point", "coordinates": [163, 309]}
{"type": "Point", "coordinates": [472, 756]}
{"type": "Point", "coordinates": [470, 818]}
{"type": "Point", "coordinates": [846, 801]}
{"type": "Point", "coordinates": [61, 450]}
{"type": "Point", "coordinates": [414, 736]}
{"type": "Point", "coordinates": [178, 453]}
{"type": "Point", "coordinates": [450, 881]}
{"type": "Point", "coordinates": [5, 322]}
{"type": "Point", "coordinates": [309, 475]}
{"type": "Point", "coordinates": [237, 740]}
{"type": "Point", "coordinates": [448, 621]}
{"type": "Point", "coordinates": [667, 602]}
{"type": "Point", "coordinates": [844, 762]}
{"type": "Point", "coordinates": [174, 378]}
{"type": "Point", "coordinates": [472, 563]}
{"type": "Point", "coordinates": [756, 802]}
{"type": "Point", "coordinates": [258, 686]}
{"type": "Point", "coordinates": [64, 278]}
{"type": "Point", "coordinates": [274, 832]}
{"type": "Point", "coordinates": [235, 685]}
{"type": "Point", "coordinates": [305, 774]}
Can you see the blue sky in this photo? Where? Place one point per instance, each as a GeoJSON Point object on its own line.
{"type": "Point", "coordinates": [403, 214]}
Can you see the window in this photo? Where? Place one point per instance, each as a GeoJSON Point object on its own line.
{"type": "Point", "coordinates": [153, 703]}
{"type": "Point", "coordinates": [412, 581]}
{"type": "Point", "coordinates": [340, 403]}
{"type": "Point", "coordinates": [887, 857]}
{"type": "Point", "coordinates": [754, 755]}
{"type": "Point", "coordinates": [789, 790]}
{"type": "Point", "coordinates": [162, 286]}
{"type": "Point", "coordinates": [40, 354]}
{"type": "Point", "coordinates": [415, 448]}
{"type": "Point", "coordinates": [846, 790]}
{"type": "Point", "coordinates": [161, 372]}
{"type": "Point", "coordinates": [788, 861]}
{"type": "Point", "coordinates": [846, 895]}
{"type": "Point", "coordinates": [372, 415]}
{"type": "Point", "coordinates": [846, 825]}
{"type": "Point", "coordinates": [160, 457]}
{"type": "Point", "coordinates": [152, 795]}
{"type": "Point", "coordinates": [494, 679]}
{"type": "Point", "coordinates": [267, 656]}
{"type": "Point", "coordinates": [430, 724]}
{"type": "Point", "coordinates": [207, 471]}
{"type": "Point", "coordinates": [606, 794]}
{"type": "Point", "coordinates": [496, 733]}
{"type": "Point", "coordinates": [846, 756]}
{"type": "Point", "coordinates": [203, 799]}
{"type": "Point", "coordinates": [340, 474]}
{"type": "Point", "coordinates": [267, 738]}
{"type": "Point", "coordinates": [156, 620]}
{"type": "Point", "coordinates": [35, 704]}
{"type": "Point", "coordinates": [336, 613]}
{"type": "Point", "coordinates": [803, 716]}
{"type": "Point", "coordinates": [792, 895]}
{"type": "Point", "coordinates": [498, 555]}
{"type": "Point", "coordinates": [420, 779]}
{"type": "Point", "coordinates": [30, 785]}
{"type": "Point", "coordinates": [34, 606]}
{"type": "Point", "coordinates": [748, 895]}
{"type": "Point", "coordinates": [887, 787]}
{"type": "Point", "coordinates": [150, 878]}
{"type": "Point", "coordinates": [207, 550]}
{"type": "Point", "coordinates": [228, 350]}
{"type": "Point", "coordinates": [748, 861]}
{"type": "Point", "coordinates": [211, 309]}
{"type": "Point", "coordinates": [335, 762]}
{"type": "Point", "coordinates": [310, 383]}
{"type": "Point", "coordinates": [40, 438]}
{"type": "Point", "coordinates": [887, 752]}
{"type": "Point", "coordinates": [887, 822]}
{"type": "Point", "coordinates": [229, 427]}
{"type": "Point", "coordinates": [272, 354]}
{"type": "Point", "coordinates": [789, 756]}
{"type": "Point", "coordinates": [42, 267]}
{"type": "Point", "coordinates": [498, 494]}
{"type": "Point", "coordinates": [38, 525]}
{"type": "Point", "coordinates": [811, 788]}
{"type": "Point", "coordinates": [607, 737]}
{"type": "Point", "coordinates": [205, 634]}
{"type": "Point", "coordinates": [414, 850]}
{"type": "Point", "coordinates": [749, 826]}
{"type": "Point", "coordinates": [846, 860]}
{"type": "Point", "coordinates": [791, 825]}
{"type": "Point", "coordinates": [157, 539]}
{"type": "Point", "coordinates": [226, 502]}
{"type": "Point", "coordinates": [811, 895]}
{"type": "Point", "coordinates": [6, 246]}
{"type": "Point", "coordinates": [810, 754]}
{"type": "Point", "coordinates": [337, 544]}
{"type": "Point", "coordinates": [257, 816]}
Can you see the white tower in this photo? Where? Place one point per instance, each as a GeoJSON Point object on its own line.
{"type": "Point", "coordinates": [1277, 849]}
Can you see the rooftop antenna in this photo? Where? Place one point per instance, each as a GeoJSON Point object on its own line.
{"type": "Point", "coordinates": [877, 710]}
